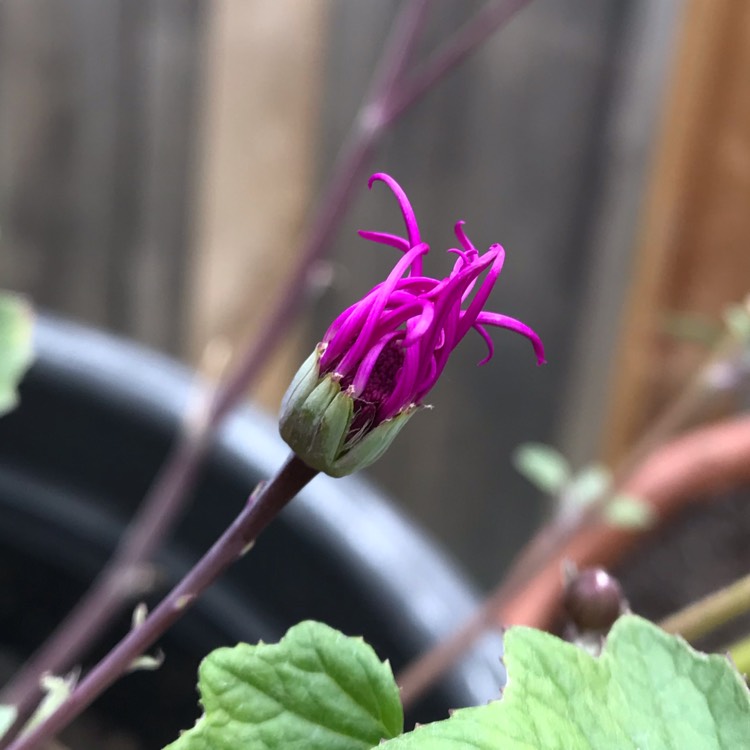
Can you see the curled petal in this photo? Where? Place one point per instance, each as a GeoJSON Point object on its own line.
{"type": "Point", "coordinates": [384, 238]}
{"type": "Point", "coordinates": [482, 331]}
{"type": "Point", "coordinates": [358, 347]}
{"type": "Point", "coordinates": [410, 220]}
{"type": "Point", "coordinates": [466, 243]}
{"type": "Point", "coordinates": [421, 325]}
{"type": "Point", "coordinates": [496, 255]}
{"type": "Point", "coordinates": [417, 312]}
{"type": "Point", "coordinates": [463, 258]}
{"type": "Point", "coordinates": [505, 321]}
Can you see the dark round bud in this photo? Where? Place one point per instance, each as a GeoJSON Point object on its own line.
{"type": "Point", "coordinates": [593, 600]}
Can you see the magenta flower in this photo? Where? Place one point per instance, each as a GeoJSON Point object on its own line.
{"type": "Point", "coordinates": [381, 357]}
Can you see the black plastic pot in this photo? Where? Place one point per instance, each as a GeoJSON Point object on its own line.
{"type": "Point", "coordinates": [96, 419]}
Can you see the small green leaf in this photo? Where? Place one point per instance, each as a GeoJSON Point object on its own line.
{"type": "Point", "coordinates": [588, 485]}
{"type": "Point", "coordinates": [315, 690]}
{"type": "Point", "coordinates": [692, 327]}
{"type": "Point", "coordinates": [737, 320]}
{"type": "Point", "coordinates": [543, 466]}
{"type": "Point", "coordinates": [629, 512]}
{"type": "Point", "coordinates": [647, 691]}
{"type": "Point", "coordinates": [16, 325]}
{"type": "Point", "coordinates": [7, 718]}
{"type": "Point", "coordinates": [57, 690]}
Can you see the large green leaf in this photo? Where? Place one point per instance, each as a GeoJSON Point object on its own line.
{"type": "Point", "coordinates": [16, 322]}
{"type": "Point", "coordinates": [647, 691]}
{"type": "Point", "coordinates": [315, 690]}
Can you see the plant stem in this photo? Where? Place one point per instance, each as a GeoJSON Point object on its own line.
{"type": "Point", "coordinates": [260, 510]}
{"type": "Point", "coordinates": [491, 17]}
{"type": "Point", "coordinates": [711, 612]}
{"type": "Point", "coordinates": [740, 653]}
{"type": "Point", "coordinates": [553, 537]}
{"type": "Point", "coordinates": [388, 100]}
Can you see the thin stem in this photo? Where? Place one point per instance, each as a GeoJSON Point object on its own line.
{"type": "Point", "coordinates": [396, 56]}
{"type": "Point", "coordinates": [260, 510]}
{"type": "Point", "coordinates": [164, 502]}
{"type": "Point", "coordinates": [489, 19]}
{"type": "Point", "coordinates": [740, 654]}
{"type": "Point", "coordinates": [711, 612]}
{"type": "Point", "coordinates": [547, 543]}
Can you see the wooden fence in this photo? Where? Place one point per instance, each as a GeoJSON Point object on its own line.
{"type": "Point", "coordinates": [158, 159]}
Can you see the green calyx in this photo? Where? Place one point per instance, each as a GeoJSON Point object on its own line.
{"type": "Point", "coordinates": [316, 419]}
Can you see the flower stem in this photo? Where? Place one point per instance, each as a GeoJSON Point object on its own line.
{"type": "Point", "coordinates": [711, 612]}
{"type": "Point", "coordinates": [389, 98]}
{"type": "Point", "coordinates": [260, 510]}
{"type": "Point", "coordinates": [491, 17]}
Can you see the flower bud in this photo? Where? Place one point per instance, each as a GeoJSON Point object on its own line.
{"type": "Point", "coordinates": [593, 600]}
{"type": "Point", "coordinates": [381, 357]}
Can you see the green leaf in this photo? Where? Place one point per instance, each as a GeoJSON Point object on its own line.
{"type": "Point", "coordinates": [647, 691]}
{"type": "Point", "coordinates": [691, 327]}
{"type": "Point", "coordinates": [57, 690]}
{"type": "Point", "coordinates": [543, 466]}
{"type": "Point", "coordinates": [629, 512]}
{"type": "Point", "coordinates": [588, 485]}
{"type": "Point", "coordinates": [315, 690]}
{"type": "Point", "coordinates": [737, 320]}
{"type": "Point", "coordinates": [16, 324]}
{"type": "Point", "coordinates": [7, 717]}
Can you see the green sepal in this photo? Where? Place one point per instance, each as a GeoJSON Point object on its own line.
{"type": "Point", "coordinates": [303, 424]}
{"type": "Point", "coordinates": [372, 446]}
{"type": "Point", "coordinates": [302, 385]}
{"type": "Point", "coordinates": [334, 428]}
{"type": "Point", "coordinates": [316, 423]}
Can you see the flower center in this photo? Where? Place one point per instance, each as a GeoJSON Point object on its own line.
{"type": "Point", "coordinates": [383, 377]}
{"type": "Point", "coordinates": [379, 387]}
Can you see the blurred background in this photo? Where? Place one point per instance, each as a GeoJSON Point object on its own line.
{"type": "Point", "coordinates": [160, 159]}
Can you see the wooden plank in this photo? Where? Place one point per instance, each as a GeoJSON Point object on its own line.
{"type": "Point", "coordinates": [257, 159]}
{"type": "Point", "coordinates": [613, 212]}
{"type": "Point", "coordinates": [47, 175]}
{"type": "Point", "coordinates": [160, 62]}
{"type": "Point", "coordinates": [96, 102]}
{"type": "Point", "coordinates": [693, 251]}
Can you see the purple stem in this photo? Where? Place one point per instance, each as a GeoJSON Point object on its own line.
{"type": "Point", "coordinates": [491, 17]}
{"type": "Point", "coordinates": [390, 97]}
{"type": "Point", "coordinates": [259, 511]}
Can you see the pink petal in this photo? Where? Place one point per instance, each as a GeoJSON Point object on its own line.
{"type": "Point", "coordinates": [505, 321]}
{"type": "Point", "coordinates": [385, 239]}
{"type": "Point", "coordinates": [482, 331]}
